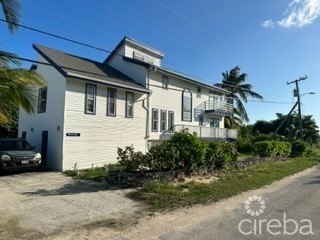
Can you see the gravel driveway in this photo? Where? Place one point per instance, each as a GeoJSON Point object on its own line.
{"type": "Point", "coordinates": [41, 204]}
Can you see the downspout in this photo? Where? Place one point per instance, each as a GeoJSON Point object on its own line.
{"type": "Point", "coordinates": [146, 104]}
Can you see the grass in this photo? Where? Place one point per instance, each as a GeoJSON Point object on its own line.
{"type": "Point", "coordinates": [161, 196]}
{"type": "Point", "coordinates": [95, 173]}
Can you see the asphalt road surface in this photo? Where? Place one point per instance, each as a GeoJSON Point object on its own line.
{"type": "Point", "coordinates": [291, 211]}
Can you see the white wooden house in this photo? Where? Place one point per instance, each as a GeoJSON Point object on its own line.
{"type": "Point", "coordinates": [89, 108]}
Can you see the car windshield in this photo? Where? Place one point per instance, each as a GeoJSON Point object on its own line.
{"type": "Point", "coordinates": [14, 145]}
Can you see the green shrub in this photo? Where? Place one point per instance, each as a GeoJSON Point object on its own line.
{"type": "Point", "coordinates": [189, 150]}
{"type": "Point", "coordinates": [220, 154]}
{"type": "Point", "coordinates": [161, 157]}
{"type": "Point", "coordinates": [244, 147]}
{"type": "Point", "coordinates": [272, 148]}
{"type": "Point", "coordinates": [299, 148]}
{"type": "Point", "coordinates": [130, 160]}
{"type": "Point", "coordinates": [283, 148]}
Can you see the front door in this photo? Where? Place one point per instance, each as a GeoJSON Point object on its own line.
{"type": "Point", "coordinates": [44, 148]}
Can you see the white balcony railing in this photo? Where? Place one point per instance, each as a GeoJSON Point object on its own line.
{"type": "Point", "coordinates": [219, 107]}
{"type": "Point", "coordinates": [210, 133]}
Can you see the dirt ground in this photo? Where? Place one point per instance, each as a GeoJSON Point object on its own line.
{"type": "Point", "coordinates": [51, 206]}
{"type": "Point", "coordinates": [43, 205]}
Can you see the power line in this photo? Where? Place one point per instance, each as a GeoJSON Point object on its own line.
{"type": "Point", "coordinates": [262, 101]}
{"type": "Point", "coordinates": [135, 21]}
{"type": "Point", "coordinates": [56, 36]}
{"type": "Point", "coordinates": [191, 21]}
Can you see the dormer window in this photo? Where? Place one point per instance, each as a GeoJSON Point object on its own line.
{"type": "Point", "coordinates": [142, 57]}
{"type": "Point", "coordinates": [137, 55]}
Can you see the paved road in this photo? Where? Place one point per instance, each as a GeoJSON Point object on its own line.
{"type": "Point", "coordinates": [299, 200]}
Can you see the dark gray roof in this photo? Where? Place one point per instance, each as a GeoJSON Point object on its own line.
{"type": "Point", "coordinates": [74, 66]}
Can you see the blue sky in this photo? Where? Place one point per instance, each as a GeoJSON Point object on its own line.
{"type": "Point", "coordinates": [273, 41]}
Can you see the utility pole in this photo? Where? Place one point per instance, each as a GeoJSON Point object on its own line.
{"type": "Point", "coordinates": [297, 94]}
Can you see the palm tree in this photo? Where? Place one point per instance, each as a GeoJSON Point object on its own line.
{"type": "Point", "coordinates": [234, 82]}
{"type": "Point", "coordinates": [15, 83]}
{"type": "Point", "coordinates": [11, 11]}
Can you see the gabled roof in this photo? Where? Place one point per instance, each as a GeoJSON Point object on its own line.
{"type": "Point", "coordinates": [182, 76]}
{"type": "Point", "coordinates": [82, 68]}
{"type": "Point", "coordinates": [135, 43]}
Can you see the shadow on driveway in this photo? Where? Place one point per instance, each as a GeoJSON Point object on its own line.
{"type": "Point", "coordinates": [75, 187]}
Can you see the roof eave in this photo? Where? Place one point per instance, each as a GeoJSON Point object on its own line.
{"type": "Point", "coordinates": [110, 83]}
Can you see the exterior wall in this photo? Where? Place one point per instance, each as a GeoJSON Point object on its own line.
{"type": "Point", "coordinates": [51, 120]}
{"type": "Point", "coordinates": [171, 100]}
{"type": "Point", "coordinates": [136, 72]}
{"type": "Point", "coordinates": [100, 135]}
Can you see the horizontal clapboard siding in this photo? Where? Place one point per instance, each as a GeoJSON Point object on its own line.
{"type": "Point", "coordinates": [100, 135]}
{"type": "Point", "coordinates": [51, 120]}
{"type": "Point", "coordinates": [171, 100]}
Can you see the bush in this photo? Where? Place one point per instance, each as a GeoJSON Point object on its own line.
{"type": "Point", "coordinates": [189, 150]}
{"type": "Point", "coordinates": [272, 148]}
{"type": "Point", "coordinates": [244, 147]}
{"type": "Point", "coordinates": [184, 152]}
{"type": "Point", "coordinates": [130, 160]}
{"type": "Point", "coordinates": [220, 154]}
{"type": "Point", "coordinates": [161, 157]}
{"type": "Point", "coordinates": [299, 148]}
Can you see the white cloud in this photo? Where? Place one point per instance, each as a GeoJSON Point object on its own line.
{"type": "Point", "coordinates": [267, 24]}
{"type": "Point", "coordinates": [298, 14]}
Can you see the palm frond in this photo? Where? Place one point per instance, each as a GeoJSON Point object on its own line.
{"type": "Point", "coordinates": [11, 10]}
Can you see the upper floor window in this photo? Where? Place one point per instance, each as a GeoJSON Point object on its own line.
{"type": "Point", "coordinates": [155, 119]}
{"type": "Point", "coordinates": [111, 102]}
{"type": "Point", "coordinates": [42, 100]}
{"type": "Point", "coordinates": [198, 92]}
{"type": "Point", "coordinates": [165, 82]}
{"type": "Point", "coordinates": [163, 120]}
{"type": "Point", "coordinates": [186, 105]}
{"type": "Point", "coordinates": [91, 92]}
{"type": "Point", "coordinates": [129, 104]}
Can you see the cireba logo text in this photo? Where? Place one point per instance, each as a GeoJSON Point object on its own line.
{"type": "Point", "coordinates": [255, 206]}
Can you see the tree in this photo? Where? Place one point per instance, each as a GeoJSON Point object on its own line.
{"type": "Point", "coordinates": [16, 83]}
{"type": "Point", "coordinates": [11, 11]}
{"type": "Point", "coordinates": [234, 82]}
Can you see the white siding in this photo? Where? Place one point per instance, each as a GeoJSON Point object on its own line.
{"type": "Point", "coordinates": [136, 72]}
{"type": "Point", "coordinates": [171, 100]}
{"type": "Point", "coordinates": [51, 120]}
{"type": "Point", "coordinates": [100, 135]}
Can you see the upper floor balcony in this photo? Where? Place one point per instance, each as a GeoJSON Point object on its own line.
{"type": "Point", "coordinates": [217, 105]}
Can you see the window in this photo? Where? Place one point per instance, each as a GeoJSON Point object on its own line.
{"type": "Point", "coordinates": [111, 102]}
{"type": "Point", "coordinates": [129, 104]}
{"type": "Point", "coordinates": [155, 119]}
{"type": "Point", "coordinates": [214, 122]}
{"type": "Point", "coordinates": [198, 92]}
{"type": "Point", "coordinates": [186, 105]}
{"type": "Point", "coordinates": [165, 82]}
{"type": "Point", "coordinates": [42, 100]}
{"type": "Point", "coordinates": [91, 92]}
{"type": "Point", "coordinates": [163, 120]}
{"type": "Point", "coordinates": [201, 120]}
{"type": "Point", "coordinates": [170, 120]}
